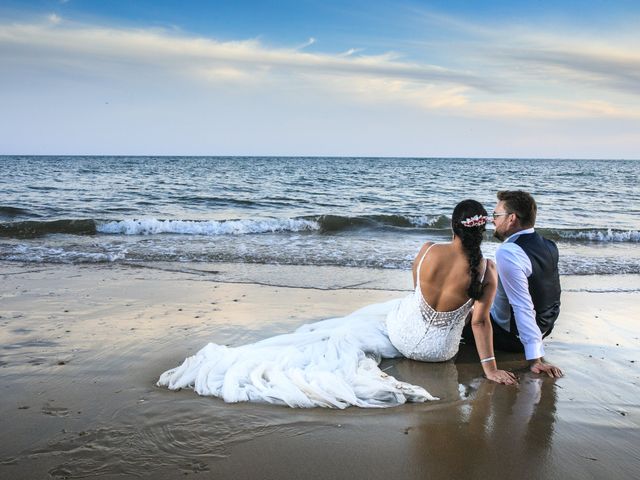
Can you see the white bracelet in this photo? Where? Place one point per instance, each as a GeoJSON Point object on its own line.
{"type": "Point", "coordinates": [485, 360]}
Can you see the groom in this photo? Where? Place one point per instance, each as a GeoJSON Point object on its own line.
{"type": "Point", "coordinates": [527, 301]}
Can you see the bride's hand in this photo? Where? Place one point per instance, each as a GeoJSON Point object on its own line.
{"type": "Point", "coordinates": [502, 376]}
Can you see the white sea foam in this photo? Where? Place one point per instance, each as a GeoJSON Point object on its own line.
{"type": "Point", "coordinates": [263, 249]}
{"type": "Point", "coordinates": [426, 220]}
{"type": "Point", "coordinates": [152, 226]}
{"type": "Point", "coordinates": [37, 254]}
{"type": "Point", "coordinates": [603, 236]}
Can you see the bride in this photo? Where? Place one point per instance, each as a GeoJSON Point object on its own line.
{"type": "Point", "coordinates": [334, 363]}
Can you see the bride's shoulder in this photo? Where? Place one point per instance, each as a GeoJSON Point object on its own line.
{"type": "Point", "coordinates": [421, 253]}
{"type": "Point", "coordinates": [425, 247]}
{"type": "Point", "coordinates": [491, 272]}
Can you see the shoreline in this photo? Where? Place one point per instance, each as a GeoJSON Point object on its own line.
{"type": "Point", "coordinates": [312, 277]}
{"type": "Point", "coordinates": [84, 345]}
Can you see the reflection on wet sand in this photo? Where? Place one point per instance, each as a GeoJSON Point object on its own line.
{"type": "Point", "coordinates": [491, 429]}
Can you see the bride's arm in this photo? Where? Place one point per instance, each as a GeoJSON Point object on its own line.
{"type": "Point", "coordinates": [483, 333]}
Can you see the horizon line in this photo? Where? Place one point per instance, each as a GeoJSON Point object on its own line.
{"type": "Point", "coordinates": [390, 157]}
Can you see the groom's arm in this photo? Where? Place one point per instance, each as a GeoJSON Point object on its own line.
{"type": "Point", "coordinates": [514, 268]}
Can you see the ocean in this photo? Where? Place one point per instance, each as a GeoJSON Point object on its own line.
{"type": "Point", "coordinates": [371, 213]}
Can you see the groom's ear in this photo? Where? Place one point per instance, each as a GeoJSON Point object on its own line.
{"type": "Point", "coordinates": [516, 222]}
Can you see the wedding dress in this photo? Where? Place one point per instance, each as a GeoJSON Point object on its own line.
{"type": "Point", "coordinates": [331, 363]}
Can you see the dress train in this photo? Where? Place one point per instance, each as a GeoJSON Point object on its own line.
{"type": "Point", "coordinates": [332, 363]}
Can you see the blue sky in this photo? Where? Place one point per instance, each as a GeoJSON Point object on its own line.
{"type": "Point", "coordinates": [438, 78]}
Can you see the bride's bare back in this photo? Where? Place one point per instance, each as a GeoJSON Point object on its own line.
{"type": "Point", "coordinates": [444, 275]}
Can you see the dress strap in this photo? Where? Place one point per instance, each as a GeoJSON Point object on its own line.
{"type": "Point", "coordinates": [420, 264]}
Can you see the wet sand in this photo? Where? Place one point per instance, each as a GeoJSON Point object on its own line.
{"type": "Point", "coordinates": [82, 347]}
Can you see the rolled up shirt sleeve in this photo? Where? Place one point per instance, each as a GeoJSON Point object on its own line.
{"type": "Point", "coordinates": [514, 267]}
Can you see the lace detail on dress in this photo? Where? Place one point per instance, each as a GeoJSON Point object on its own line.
{"type": "Point", "coordinates": [440, 319]}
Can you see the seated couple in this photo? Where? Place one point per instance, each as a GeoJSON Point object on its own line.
{"type": "Point", "coordinates": [512, 305]}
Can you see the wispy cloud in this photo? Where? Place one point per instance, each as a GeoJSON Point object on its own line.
{"type": "Point", "coordinates": [164, 49]}
{"type": "Point", "coordinates": [532, 75]}
{"type": "Point", "coordinates": [54, 18]}
{"type": "Point", "coordinates": [530, 58]}
{"type": "Point", "coordinates": [308, 43]}
{"type": "Point", "coordinates": [618, 71]}
{"type": "Point", "coordinates": [350, 52]}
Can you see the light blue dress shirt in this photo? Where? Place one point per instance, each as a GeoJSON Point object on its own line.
{"type": "Point", "coordinates": [514, 269]}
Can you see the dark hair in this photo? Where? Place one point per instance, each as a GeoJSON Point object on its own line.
{"type": "Point", "coordinates": [522, 204]}
{"type": "Point", "coordinates": [471, 238]}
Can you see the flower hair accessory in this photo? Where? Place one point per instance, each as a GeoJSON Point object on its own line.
{"type": "Point", "coordinates": [475, 221]}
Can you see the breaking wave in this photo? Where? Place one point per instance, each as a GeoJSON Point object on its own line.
{"type": "Point", "coordinates": [321, 224]}
{"type": "Point", "coordinates": [593, 235]}
{"type": "Point", "coordinates": [154, 226]}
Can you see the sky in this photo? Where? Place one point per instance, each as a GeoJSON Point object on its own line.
{"type": "Point", "coordinates": [535, 79]}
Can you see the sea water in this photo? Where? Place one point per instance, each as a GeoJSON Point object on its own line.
{"type": "Point", "coordinates": [372, 213]}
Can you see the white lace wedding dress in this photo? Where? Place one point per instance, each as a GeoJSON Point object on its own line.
{"type": "Point", "coordinates": [332, 363]}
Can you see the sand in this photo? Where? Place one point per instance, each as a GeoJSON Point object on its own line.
{"type": "Point", "coordinates": [82, 347]}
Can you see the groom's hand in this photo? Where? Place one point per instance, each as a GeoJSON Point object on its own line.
{"type": "Point", "coordinates": [540, 366]}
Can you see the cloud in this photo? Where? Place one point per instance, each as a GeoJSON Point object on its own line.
{"type": "Point", "coordinates": [407, 93]}
{"type": "Point", "coordinates": [164, 49]}
{"type": "Point", "coordinates": [350, 52]}
{"type": "Point", "coordinates": [529, 58]}
{"type": "Point", "coordinates": [228, 75]}
{"type": "Point", "coordinates": [618, 70]}
{"type": "Point", "coordinates": [552, 109]}
{"type": "Point", "coordinates": [308, 43]}
{"type": "Point", "coordinates": [54, 19]}
{"type": "Point", "coordinates": [535, 77]}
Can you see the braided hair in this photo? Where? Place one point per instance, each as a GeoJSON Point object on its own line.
{"type": "Point", "coordinates": [471, 238]}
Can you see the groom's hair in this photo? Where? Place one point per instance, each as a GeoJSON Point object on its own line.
{"type": "Point", "coordinates": [522, 204]}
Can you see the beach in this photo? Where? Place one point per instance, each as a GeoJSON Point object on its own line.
{"type": "Point", "coordinates": [83, 345]}
{"type": "Point", "coordinates": [185, 177]}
